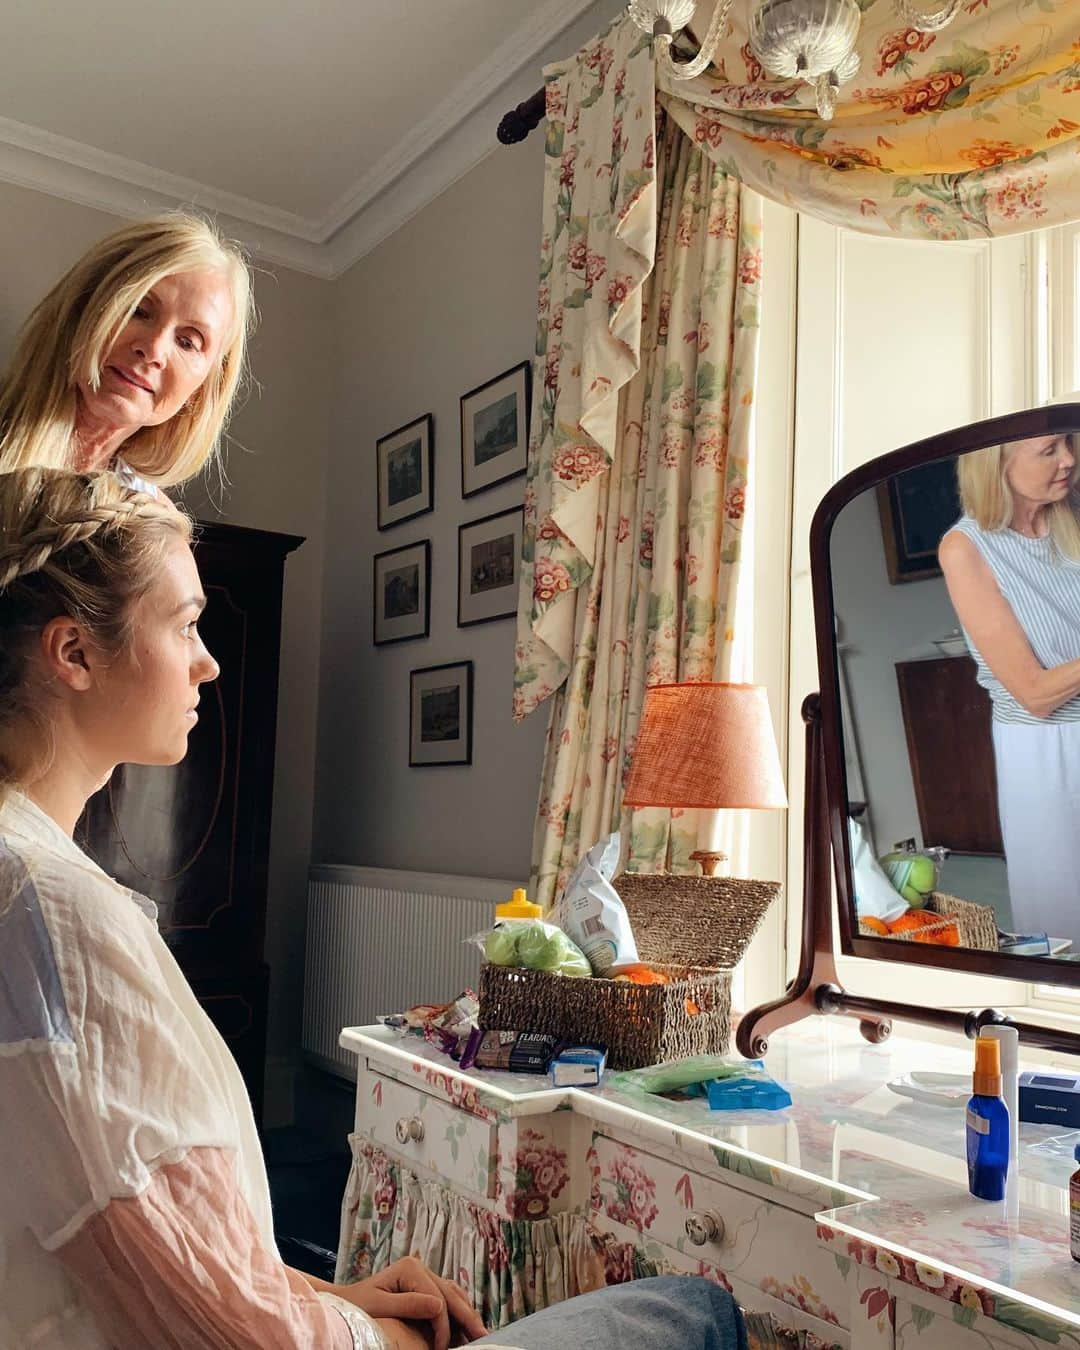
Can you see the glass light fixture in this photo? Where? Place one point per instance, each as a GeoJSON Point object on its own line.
{"type": "Point", "coordinates": [811, 40]}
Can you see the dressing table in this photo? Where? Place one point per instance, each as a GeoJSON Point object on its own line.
{"type": "Point", "coordinates": [845, 1219]}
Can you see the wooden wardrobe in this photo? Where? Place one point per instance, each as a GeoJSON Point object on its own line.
{"type": "Point", "coordinates": [195, 837]}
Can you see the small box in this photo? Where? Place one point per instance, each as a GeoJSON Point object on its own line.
{"type": "Point", "coordinates": [1050, 1098]}
{"type": "Point", "coordinates": [578, 1066]}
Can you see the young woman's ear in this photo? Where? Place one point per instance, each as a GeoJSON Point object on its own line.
{"type": "Point", "coordinates": [67, 654]}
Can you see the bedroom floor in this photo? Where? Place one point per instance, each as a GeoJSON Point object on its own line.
{"type": "Point", "coordinates": [308, 1164]}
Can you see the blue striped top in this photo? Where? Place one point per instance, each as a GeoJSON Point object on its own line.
{"type": "Point", "coordinates": [1042, 587]}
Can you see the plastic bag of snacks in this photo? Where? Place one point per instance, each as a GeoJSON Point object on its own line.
{"type": "Point", "coordinates": [532, 944]}
{"type": "Point", "coordinates": [591, 912]}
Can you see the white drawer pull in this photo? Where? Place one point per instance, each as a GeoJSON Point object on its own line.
{"type": "Point", "coordinates": [416, 1128]}
{"type": "Point", "coordinates": [401, 1129]}
{"type": "Point", "coordinates": [704, 1228]}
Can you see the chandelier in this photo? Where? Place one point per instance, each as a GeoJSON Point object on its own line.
{"type": "Point", "coordinates": [811, 40]}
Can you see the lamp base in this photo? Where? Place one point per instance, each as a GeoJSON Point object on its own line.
{"type": "Point", "coordinates": [709, 859]}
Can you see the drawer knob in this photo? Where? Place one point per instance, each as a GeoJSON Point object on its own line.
{"type": "Point", "coordinates": [409, 1127]}
{"type": "Point", "coordinates": [704, 1228]}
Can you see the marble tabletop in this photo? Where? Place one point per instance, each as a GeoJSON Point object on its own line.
{"type": "Point", "coordinates": [886, 1175]}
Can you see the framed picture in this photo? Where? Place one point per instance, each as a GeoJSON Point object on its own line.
{"type": "Point", "coordinates": [440, 714]}
{"type": "Point", "coordinates": [495, 430]}
{"type": "Point", "coordinates": [916, 508]}
{"type": "Point", "coordinates": [402, 593]}
{"type": "Point", "coordinates": [489, 562]}
{"type": "Point", "coordinates": [405, 472]}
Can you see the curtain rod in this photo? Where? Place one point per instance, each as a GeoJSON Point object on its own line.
{"type": "Point", "coordinates": [519, 121]}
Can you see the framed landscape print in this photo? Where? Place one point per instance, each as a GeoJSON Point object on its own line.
{"type": "Point", "coordinates": [440, 714]}
{"type": "Point", "coordinates": [489, 561]}
{"type": "Point", "coordinates": [404, 461]}
{"type": "Point", "coordinates": [916, 508]}
{"type": "Point", "coordinates": [495, 430]}
{"type": "Point", "coordinates": [402, 593]}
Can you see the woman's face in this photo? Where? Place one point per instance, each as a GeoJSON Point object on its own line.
{"type": "Point", "coordinates": [163, 354]}
{"type": "Point", "coordinates": [141, 704]}
{"type": "Point", "coordinates": [1040, 470]}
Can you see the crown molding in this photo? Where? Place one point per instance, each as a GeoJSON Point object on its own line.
{"type": "Point", "coordinates": [450, 140]}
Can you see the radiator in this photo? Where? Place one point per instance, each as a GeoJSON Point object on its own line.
{"type": "Point", "coordinates": [379, 941]}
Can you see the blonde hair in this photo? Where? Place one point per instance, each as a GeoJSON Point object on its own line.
{"type": "Point", "coordinates": [80, 546]}
{"type": "Point", "coordinates": [986, 496]}
{"type": "Point", "coordinates": [66, 339]}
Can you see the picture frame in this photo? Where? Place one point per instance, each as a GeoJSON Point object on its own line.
{"type": "Point", "coordinates": [495, 430]}
{"type": "Point", "coordinates": [916, 508]}
{"type": "Point", "coordinates": [401, 594]}
{"type": "Point", "coordinates": [489, 566]}
{"type": "Point", "coordinates": [405, 472]}
{"type": "Point", "coordinates": [441, 714]}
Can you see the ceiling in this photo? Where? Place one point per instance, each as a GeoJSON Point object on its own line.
{"type": "Point", "coordinates": [313, 129]}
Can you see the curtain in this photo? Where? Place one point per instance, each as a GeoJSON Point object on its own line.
{"type": "Point", "coordinates": [969, 132]}
{"type": "Point", "coordinates": [650, 273]}
{"type": "Point", "coordinates": [657, 603]}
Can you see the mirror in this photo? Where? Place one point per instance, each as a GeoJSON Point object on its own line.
{"type": "Point", "coordinates": [947, 590]}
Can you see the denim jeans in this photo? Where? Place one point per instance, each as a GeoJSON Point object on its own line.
{"type": "Point", "coordinates": [670, 1312]}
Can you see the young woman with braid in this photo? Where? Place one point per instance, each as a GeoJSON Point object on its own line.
{"type": "Point", "coordinates": [134, 1207]}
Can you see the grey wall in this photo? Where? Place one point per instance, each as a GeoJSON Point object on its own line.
{"type": "Point", "coordinates": [879, 625]}
{"type": "Point", "coordinates": [277, 469]}
{"type": "Point", "coordinates": [444, 304]}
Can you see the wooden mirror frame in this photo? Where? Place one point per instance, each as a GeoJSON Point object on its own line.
{"type": "Point", "coordinates": [816, 987]}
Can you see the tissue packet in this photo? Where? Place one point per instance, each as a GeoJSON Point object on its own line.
{"type": "Point", "coordinates": [592, 915]}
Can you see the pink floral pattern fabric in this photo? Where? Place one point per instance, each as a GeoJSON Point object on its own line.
{"type": "Point", "coordinates": [652, 598]}
{"type": "Point", "coordinates": [969, 132]}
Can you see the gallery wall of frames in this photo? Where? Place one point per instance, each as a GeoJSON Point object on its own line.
{"type": "Point", "coordinates": [492, 442]}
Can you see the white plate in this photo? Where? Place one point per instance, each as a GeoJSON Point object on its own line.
{"type": "Point", "coordinates": [939, 1089]}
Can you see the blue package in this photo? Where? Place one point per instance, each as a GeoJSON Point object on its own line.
{"type": "Point", "coordinates": [578, 1066]}
{"type": "Point", "coordinates": [746, 1094]}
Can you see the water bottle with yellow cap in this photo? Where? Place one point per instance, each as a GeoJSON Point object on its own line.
{"type": "Point", "coordinates": [518, 907]}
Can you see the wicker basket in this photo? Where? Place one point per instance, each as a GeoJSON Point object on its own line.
{"type": "Point", "coordinates": [695, 929]}
{"type": "Point", "coordinates": [975, 924]}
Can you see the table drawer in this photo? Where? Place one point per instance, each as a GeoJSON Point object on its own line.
{"type": "Point", "coordinates": [653, 1200]}
{"type": "Point", "coordinates": [425, 1132]}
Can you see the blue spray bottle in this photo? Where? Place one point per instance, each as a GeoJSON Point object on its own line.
{"type": "Point", "coordinates": [987, 1125]}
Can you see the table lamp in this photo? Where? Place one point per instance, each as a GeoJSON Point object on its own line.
{"type": "Point", "coordinates": [708, 746]}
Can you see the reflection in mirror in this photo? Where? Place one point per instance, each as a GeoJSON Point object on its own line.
{"type": "Point", "coordinates": [957, 595]}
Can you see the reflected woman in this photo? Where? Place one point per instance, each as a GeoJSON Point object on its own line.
{"type": "Point", "coordinates": [1012, 567]}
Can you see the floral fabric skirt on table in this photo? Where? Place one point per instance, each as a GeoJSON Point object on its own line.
{"type": "Point", "coordinates": [509, 1267]}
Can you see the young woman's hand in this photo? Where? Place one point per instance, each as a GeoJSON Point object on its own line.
{"type": "Point", "coordinates": [408, 1292]}
{"type": "Point", "coordinates": [406, 1335]}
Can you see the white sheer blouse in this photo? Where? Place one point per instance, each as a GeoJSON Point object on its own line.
{"type": "Point", "coordinates": [134, 1206]}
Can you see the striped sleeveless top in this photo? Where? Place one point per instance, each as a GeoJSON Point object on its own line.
{"type": "Point", "coordinates": [1043, 590]}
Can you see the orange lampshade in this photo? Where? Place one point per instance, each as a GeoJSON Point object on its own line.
{"type": "Point", "coordinates": [706, 745]}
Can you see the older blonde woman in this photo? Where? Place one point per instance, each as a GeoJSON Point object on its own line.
{"type": "Point", "coordinates": [133, 359]}
{"type": "Point", "coordinates": [1012, 567]}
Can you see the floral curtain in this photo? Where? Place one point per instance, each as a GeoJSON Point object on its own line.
{"type": "Point", "coordinates": [657, 604]}
{"type": "Point", "coordinates": [646, 335]}
{"type": "Point", "coordinates": [969, 132]}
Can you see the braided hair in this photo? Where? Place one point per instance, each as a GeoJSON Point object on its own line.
{"type": "Point", "coordinates": [80, 546]}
